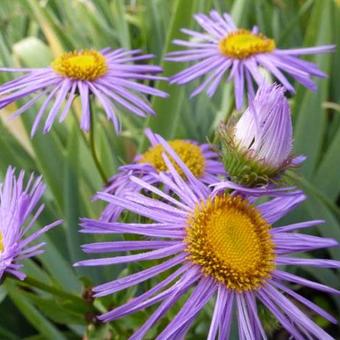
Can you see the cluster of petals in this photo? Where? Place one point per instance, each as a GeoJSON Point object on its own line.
{"type": "Point", "coordinates": [265, 129]}
{"type": "Point", "coordinates": [164, 239]}
{"type": "Point", "coordinates": [120, 183]}
{"type": "Point", "coordinates": [117, 86]}
{"type": "Point", "coordinates": [163, 202]}
{"type": "Point", "coordinates": [19, 211]}
{"type": "Point", "coordinates": [203, 49]}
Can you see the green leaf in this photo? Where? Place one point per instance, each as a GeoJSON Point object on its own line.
{"type": "Point", "coordinates": [168, 110]}
{"type": "Point", "coordinates": [57, 310]}
{"type": "Point", "coordinates": [58, 267]}
{"type": "Point", "coordinates": [311, 120]}
{"type": "Point", "coordinates": [13, 153]}
{"type": "Point", "coordinates": [328, 171]}
{"type": "Point", "coordinates": [71, 196]}
{"type": "Point", "coordinates": [38, 321]}
{"type": "Point", "coordinates": [120, 24]}
{"type": "Point", "coordinates": [5, 334]}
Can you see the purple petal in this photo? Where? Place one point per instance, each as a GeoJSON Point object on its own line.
{"type": "Point", "coordinates": [151, 255]}
{"type": "Point", "coordinates": [136, 278]}
{"type": "Point", "coordinates": [281, 275]}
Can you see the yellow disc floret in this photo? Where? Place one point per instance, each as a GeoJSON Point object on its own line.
{"type": "Point", "coordinates": [189, 153]}
{"type": "Point", "coordinates": [81, 65]}
{"type": "Point", "coordinates": [1, 243]}
{"type": "Point", "coordinates": [230, 240]}
{"type": "Point", "coordinates": [243, 44]}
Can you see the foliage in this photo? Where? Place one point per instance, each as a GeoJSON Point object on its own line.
{"type": "Point", "coordinates": [54, 303]}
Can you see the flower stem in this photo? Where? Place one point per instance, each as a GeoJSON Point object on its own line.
{"type": "Point", "coordinates": [91, 142]}
{"type": "Point", "coordinates": [93, 148]}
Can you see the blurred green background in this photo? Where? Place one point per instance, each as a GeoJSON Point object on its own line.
{"type": "Point", "coordinates": [54, 302]}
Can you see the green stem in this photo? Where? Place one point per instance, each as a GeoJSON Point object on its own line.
{"type": "Point", "coordinates": [93, 149]}
{"type": "Point", "coordinates": [91, 143]}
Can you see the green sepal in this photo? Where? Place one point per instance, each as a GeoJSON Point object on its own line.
{"type": "Point", "coordinates": [243, 168]}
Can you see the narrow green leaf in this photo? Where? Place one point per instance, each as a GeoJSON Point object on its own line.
{"type": "Point", "coordinates": [5, 334]}
{"type": "Point", "coordinates": [58, 267]}
{"type": "Point", "coordinates": [71, 196]}
{"type": "Point", "coordinates": [328, 171]}
{"type": "Point", "coordinates": [12, 153]}
{"type": "Point", "coordinates": [311, 119]}
{"type": "Point", "coordinates": [120, 24]}
{"type": "Point", "coordinates": [38, 321]}
{"type": "Point", "coordinates": [168, 110]}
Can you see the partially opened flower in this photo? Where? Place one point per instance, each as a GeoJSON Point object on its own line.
{"type": "Point", "coordinates": [108, 75]}
{"type": "Point", "coordinates": [258, 148]}
{"type": "Point", "coordinates": [201, 159]}
{"type": "Point", "coordinates": [212, 245]}
{"type": "Point", "coordinates": [226, 49]}
{"type": "Point", "coordinates": [19, 211]}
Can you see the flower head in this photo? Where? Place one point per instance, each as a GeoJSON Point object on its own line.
{"type": "Point", "coordinates": [17, 204]}
{"type": "Point", "coordinates": [258, 148]}
{"type": "Point", "coordinates": [224, 47]}
{"type": "Point", "coordinates": [202, 161]}
{"type": "Point", "coordinates": [106, 75]}
{"type": "Point", "coordinates": [214, 244]}
{"type": "Point", "coordinates": [81, 65]}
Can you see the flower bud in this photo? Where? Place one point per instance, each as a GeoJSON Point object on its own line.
{"type": "Point", "coordinates": [258, 147]}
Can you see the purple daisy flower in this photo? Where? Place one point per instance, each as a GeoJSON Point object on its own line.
{"type": "Point", "coordinates": [108, 75]}
{"type": "Point", "coordinates": [217, 247]}
{"type": "Point", "coordinates": [257, 149]}
{"type": "Point", "coordinates": [202, 161]}
{"type": "Point", "coordinates": [224, 47]}
{"type": "Point", "coordinates": [17, 204]}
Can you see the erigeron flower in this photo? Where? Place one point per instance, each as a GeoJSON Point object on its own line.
{"type": "Point", "coordinates": [258, 148]}
{"type": "Point", "coordinates": [19, 211]}
{"type": "Point", "coordinates": [201, 159]}
{"type": "Point", "coordinates": [215, 246]}
{"type": "Point", "coordinates": [108, 75]}
{"type": "Point", "coordinates": [224, 49]}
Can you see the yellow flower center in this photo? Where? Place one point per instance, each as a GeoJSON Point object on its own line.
{"type": "Point", "coordinates": [229, 239]}
{"type": "Point", "coordinates": [1, 243]}
{"type": "Point", "coordinates": [81, 65]}
{"type": "Point", "coordinates": [189, 153]}
{"type": "Point", "coordinates": [243, 44]}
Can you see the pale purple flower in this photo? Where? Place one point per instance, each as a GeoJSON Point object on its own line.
{"type": "Point", "coordinates": [225, 49]}
{"type": "Point", "coordinates": [208, 168]}
{"type": "Point", "coordinates": [265, 130]}
{"type": "Point", "coordinates": [19, 211]}
{"type": "Point", "coordinates": [242, 264]}
{"type": "Point", "coordinates": [258, 147]}
{"type": "Point", "coordinates": [108, 75]}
